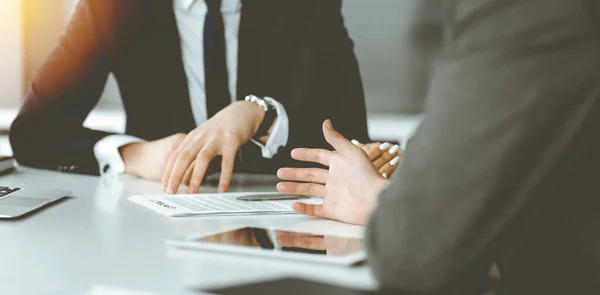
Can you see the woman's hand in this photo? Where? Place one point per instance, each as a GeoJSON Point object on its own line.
{"type": "Point", "coordinates": [222, 135]}
{"type": "Point", "coordinates": [349, 188]}
{"type": "Point", "coordinates": [149, 159]}
{"type": "Point", "coordinates": [386, 158]}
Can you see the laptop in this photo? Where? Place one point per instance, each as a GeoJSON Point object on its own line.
{"type": "Point", "coordinates": [7, 165]}
{"type": "Point", "coordinates": [16, 202]}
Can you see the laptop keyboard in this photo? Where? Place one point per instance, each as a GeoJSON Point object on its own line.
{"type": "Point", "coordinates": [4, 190]}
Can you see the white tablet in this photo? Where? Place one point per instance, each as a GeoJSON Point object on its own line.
{"type": "Point", "coordinates": [279, 244]}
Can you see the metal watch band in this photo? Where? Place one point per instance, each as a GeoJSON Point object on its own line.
{"type": "Point", "coordinates": [270, 115]}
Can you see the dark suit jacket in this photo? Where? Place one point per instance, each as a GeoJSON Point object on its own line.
{"type": "Point", "coordinates": [296, 51]}
{"type": "Point", "coordinates": [505, 166]}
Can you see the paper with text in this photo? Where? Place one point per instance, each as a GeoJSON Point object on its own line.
{"type": "Point", "coordinates": [215, 204]}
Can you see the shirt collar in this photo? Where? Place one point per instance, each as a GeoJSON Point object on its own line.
{"type": "Point", "coordinates": [187, 4]}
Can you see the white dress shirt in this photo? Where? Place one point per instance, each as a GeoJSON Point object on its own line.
{"type": "Point", "coordinates": [190, 16]}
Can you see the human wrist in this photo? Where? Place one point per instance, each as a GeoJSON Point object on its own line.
{"type": "Point", "coordinates": [131, 154]}
{"type": "Point", "coordinates": [256, 113]}
{"type": "Point", "coordinates": [378, 185]}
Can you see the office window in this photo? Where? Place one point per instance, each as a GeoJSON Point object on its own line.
{"type": "Point", "coordinates": [11, 52]}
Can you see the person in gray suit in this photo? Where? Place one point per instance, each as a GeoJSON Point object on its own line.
{"type": "Point", "coordinates": [504, 168]}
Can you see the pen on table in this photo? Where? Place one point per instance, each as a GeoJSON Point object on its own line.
{"type": "Point", "coordinates": [271, 197]}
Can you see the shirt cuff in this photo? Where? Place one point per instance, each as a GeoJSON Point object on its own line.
{"type": "Point", "coordinates": [280, 133]}
{"type": "Point", "coordinates": [108, 156]}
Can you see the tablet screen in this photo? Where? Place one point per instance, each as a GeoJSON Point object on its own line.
{"type": "Point", "coordinates": [286, 241]}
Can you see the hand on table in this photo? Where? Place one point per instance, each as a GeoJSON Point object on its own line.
{"type": "Point", "coordinates": [349, 188]}
{"type": "Point", "coordinates": [385, 157]}
{"type": "Point", "coordinates": [149, 159]}
{"type": "Point", "coordinates": [222, 135]}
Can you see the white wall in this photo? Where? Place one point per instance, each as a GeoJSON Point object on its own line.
{"type": "Point", "coordinates": [11, 54]}
{"type": "Point", "coordinates": [394, 61]}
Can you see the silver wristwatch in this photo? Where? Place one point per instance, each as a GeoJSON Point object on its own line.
{"type": "Point", "coordinates": [270, 115]}
{"type": "Point", "coordinates": [259, 101]}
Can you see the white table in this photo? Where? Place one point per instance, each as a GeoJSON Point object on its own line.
{"type": "Point", "coordinates": [100, 238]}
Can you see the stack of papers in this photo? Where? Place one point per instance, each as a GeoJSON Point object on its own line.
{"type": "Point", "coordinates": [215, 204]}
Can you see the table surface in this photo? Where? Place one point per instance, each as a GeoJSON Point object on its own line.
{"type": "Point", "coordinates": [98, 238]}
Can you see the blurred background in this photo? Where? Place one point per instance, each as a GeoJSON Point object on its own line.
{"type": "Point", "coordinates": [394, 69]}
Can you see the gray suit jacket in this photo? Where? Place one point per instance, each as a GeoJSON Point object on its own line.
{"type": "Point", "coordinates": [505, 166]}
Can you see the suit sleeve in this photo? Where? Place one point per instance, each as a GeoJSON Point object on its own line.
{"type": "Point", "coordinates": [506, 96]}
{"type": "Point", "coordinates": [48, 131]}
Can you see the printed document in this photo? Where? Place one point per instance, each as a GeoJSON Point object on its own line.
{"type": "Point", "coordinates": [216, 204]}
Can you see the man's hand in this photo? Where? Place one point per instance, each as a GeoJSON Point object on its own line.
{"type": "Point", "coordinates": [222, 135]}
{"type": "Point", "coordinates": [149, 159]}
{"type": "Point", "coordinates": [349, 188]}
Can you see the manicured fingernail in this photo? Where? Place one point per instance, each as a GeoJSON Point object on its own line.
{"type": "Point", "coordinates": [394, 149]}
{"type": "Point", "coordinates": [384, 146]}
{"type": "Point", "coordinates": [395, 161]}
{"type": "Point", "coordinates": [355, 142]}
{"type": "Point", "coordinates": [384, 175]}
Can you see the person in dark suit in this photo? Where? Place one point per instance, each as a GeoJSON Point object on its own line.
{"type": "Point", "coordinates": [184, 68]}
{"type": "Point", "coordinates": [504, 168]}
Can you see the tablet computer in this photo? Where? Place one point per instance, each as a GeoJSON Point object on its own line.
{"type": "Point", "coordinates": [290, 286]}
{"type": "Point", "coordinates": [279, 244]}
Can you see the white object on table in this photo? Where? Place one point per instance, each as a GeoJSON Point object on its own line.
{"type": "Point", "coordinates": [99, 238]}
{"type": "Point", "coordinates": [221, 204]}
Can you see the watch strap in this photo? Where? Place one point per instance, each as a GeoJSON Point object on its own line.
{"type": "Point", "coordinates": [267, 122]}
